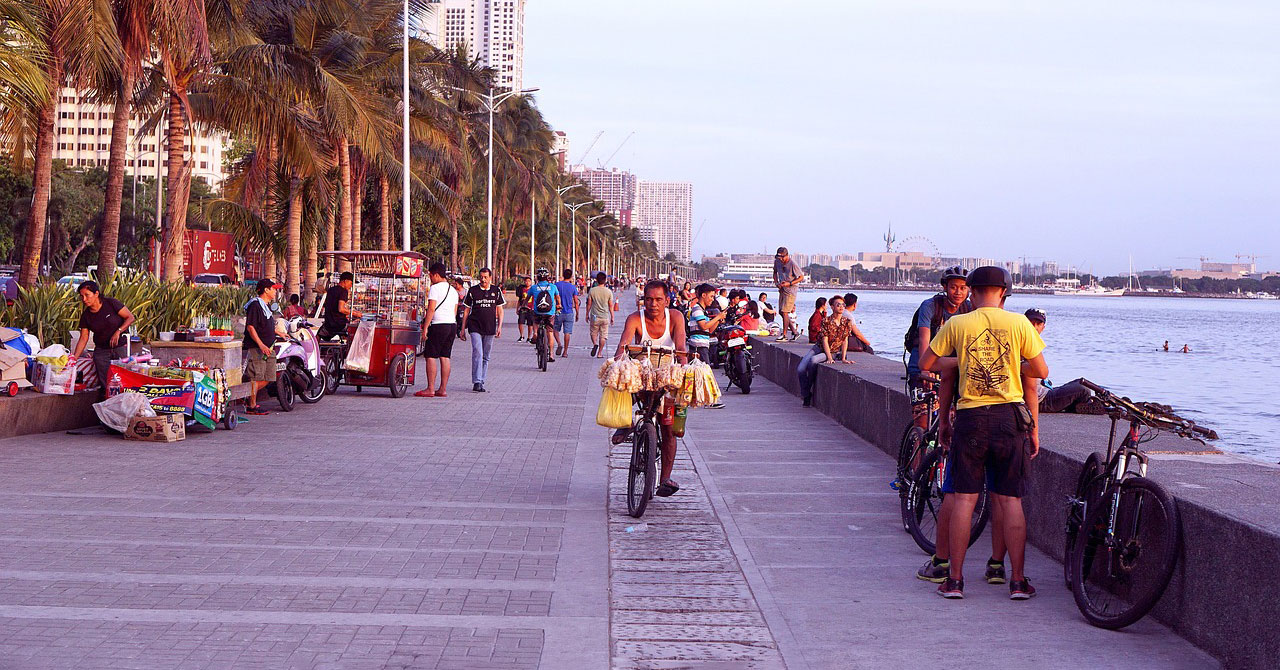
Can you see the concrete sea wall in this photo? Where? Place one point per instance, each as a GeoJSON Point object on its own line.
{"type": "Point", "coordinates": [1223, 595]}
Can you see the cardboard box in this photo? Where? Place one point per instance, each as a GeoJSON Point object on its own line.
{"type": "Point", "coordinates": [160, 428]}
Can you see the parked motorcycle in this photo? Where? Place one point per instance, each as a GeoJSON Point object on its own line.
{"type": "Point", "coordinates": [300, 372]}
{"type": "Point", "coordinates": [734, 352]}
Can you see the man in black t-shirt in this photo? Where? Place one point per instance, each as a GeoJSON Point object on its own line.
{"type": "Point", "coordinates": [108, 319]}
{"type": "Point", "coordinates": [482, 323]}
{"type": "Point", "coordinates": [337, 308]}
{"type": "Point", "coordinates": [259, 335]}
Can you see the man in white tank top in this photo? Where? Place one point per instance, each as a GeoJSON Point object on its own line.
{"type": "Point", "coordinates": [659, 326]}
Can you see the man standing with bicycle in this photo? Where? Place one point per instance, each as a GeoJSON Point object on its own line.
{"type": "Point", "coordinates": [995, 428]}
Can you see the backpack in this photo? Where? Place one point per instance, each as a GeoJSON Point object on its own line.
{"type": "Point", "coordinates": [543, 303]}
{"type": "Point", "coordinates": [912, 337]}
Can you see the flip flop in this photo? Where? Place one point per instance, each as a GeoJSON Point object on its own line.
{"type": "Point", "coordinates": [667, 489]}
{"type": "Point", "coordinates": [425, 393]}
{"type": "Point", "coordinates": [441, 394]}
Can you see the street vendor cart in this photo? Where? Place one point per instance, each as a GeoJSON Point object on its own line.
{"type": "Point", "coordinates": [379, 349]}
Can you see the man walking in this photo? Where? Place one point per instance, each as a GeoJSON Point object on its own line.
{"type": "Point", "coordinates": [568, 312]}
{"type": "Point", "coordinates": [442, 320]}
{"type": "Point", "coordinates": [787, 277]}
{"type": "Point", "coordinates": [600, 314]}
{"type": "Point", "coordinates": [524, 315]}
{"type": "Point", "coordinates": [482, 321]}
{"type": "Point", "coordinates": [995, 427]}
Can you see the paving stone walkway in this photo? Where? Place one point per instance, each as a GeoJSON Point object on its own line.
{"type": "Point", "coordinates": [478, 531]}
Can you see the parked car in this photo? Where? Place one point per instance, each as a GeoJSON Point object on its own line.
{"type": "Point", "coordinates": [9, 289]}
{"type": "Point", "coordinates": [72, 280]}
{"type": "Point", "coordinates": [211, 280]}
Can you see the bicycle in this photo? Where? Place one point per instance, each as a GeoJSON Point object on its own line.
{"type": "Point", "coordinates": [642, 470]}
{"type": "Point", "coordinates": [921, 471]}
{"type": "Point", "coordinates": [542, 340]}
{"type": "Point", "coordinates": [1123, 529]}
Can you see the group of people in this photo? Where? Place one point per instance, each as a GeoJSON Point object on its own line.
{"type": "Point", "coordinates": [557, 306]}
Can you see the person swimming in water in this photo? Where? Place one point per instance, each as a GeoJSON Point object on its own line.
{"type": "Point", "coordinates": [1186, 349]}
{"type": "Point", "coordinates": [1166, 345]}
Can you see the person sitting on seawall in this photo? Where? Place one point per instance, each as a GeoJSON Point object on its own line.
{"type": "Point", "coordinates": [750, 319]}
{"type": "Point", "coordinates": [815, 319]}
{"type": "Point", "coordinates": [857, 341]}
{"type": "Point", "coordinates": [834, 337]}
{"type": "Point", "coordinates": [767, 312]}
{"type": "Point", "coordinates": [108, 319]}
{"type": "Point", "coordinates": [1070, 397]}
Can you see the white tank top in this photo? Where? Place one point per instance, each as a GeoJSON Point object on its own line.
{"type": "Point", "coordinates": [665, 340]}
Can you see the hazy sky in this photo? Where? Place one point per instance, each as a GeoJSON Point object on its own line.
{"type": "Point", "coordinates": [1080, 132]}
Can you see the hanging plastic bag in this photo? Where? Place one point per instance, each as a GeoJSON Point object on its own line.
{"type": "Point", "coordinates": [361, 348]}
{"type": "Point", "coordinates": [615, 409]}
{"type": "Point", "coordinates": [117, 411]}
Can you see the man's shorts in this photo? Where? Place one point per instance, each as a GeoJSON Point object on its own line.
{"type": "Point", "coordinates": [600, 329]}
{"type": "Point", "coordinates": [987, 447]}
{"type": "Point", "coordinates": [258, 368]}
{"type": "Point", "coordinates": [440, 337]}
{"type": "Point", "coordinates": [564, 323]}
{"type": "Point", "coordinates": [524, 317]}
{"type": "Point", "coordinates": [786, 303]}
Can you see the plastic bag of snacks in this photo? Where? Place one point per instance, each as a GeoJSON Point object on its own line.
{"type": "Point", "coordinates": [699, 387]}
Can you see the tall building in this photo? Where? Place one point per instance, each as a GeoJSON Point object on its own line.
{"type": "Point", "coordinates": [664, 214]}
{"type": "Point", "coordinates": [493, 31]}
{"type": "Point", "coordinates": [82, 132]}
{"type": "Point", "coordinates": [821, 259]}
{"type": "Point", "coordinates": [615, 188]}
{"type": "Point", "coordinates": [560, 149]}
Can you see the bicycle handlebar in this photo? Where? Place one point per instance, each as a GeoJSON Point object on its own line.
{"type": "Point", "coordinates": [1148, 415]}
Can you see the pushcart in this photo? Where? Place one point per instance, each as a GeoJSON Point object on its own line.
{"type": "Point", "coordinates": [380, 348]}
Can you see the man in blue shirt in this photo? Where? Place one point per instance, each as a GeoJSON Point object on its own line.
{"type": "Point", "coordinates": [544, 301]}
{"type": "Point", "coordinates": [568, 312]}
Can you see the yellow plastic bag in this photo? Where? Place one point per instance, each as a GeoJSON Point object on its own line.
{"type": "Point", "coordinates": [614, 410]}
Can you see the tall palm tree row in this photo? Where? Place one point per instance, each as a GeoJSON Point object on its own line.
{"type": "Point", "coordinates": [313, 88]}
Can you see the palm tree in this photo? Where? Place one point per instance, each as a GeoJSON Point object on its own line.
{"type": "Point", "coordinates": [22, 82]}
{"type": "Point", "coordinates": [77, 37]}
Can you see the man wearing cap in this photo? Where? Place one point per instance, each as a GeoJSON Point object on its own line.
{"type": "Point", "coordinates": [1070, 397]}
{"type": "Point", "coordinates": [787, 276]}
{"type": "Point", "coordinates": [259, 335]}
{"type": "Point", "coordinates": [337, 307]}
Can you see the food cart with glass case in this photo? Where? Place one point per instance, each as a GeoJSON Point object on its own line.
{"type": "Point", "coordinates": [389, 291]}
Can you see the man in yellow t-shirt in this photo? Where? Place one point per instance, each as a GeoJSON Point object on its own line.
{"type": "Point", "coordinates": [995, 430]}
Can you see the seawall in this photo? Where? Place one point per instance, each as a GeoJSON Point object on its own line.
{"type": "Point", "coordinates": [1222, 597]}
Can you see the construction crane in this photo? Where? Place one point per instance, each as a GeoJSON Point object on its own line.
{"type": "Point", "coordinates": [591, 146]}
{"type": "Point", "coordinates": [605, 162]}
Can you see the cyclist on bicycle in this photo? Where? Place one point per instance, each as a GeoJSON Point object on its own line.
{"type": "Point", "coordinates": [544, 300]}
{"type": "Point", "coordinates": [659, 326]}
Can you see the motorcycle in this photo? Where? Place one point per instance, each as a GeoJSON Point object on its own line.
{"type": "Point", "coordinates": [734, 352]}
{"type": "Point", "coordinates": [300, 372]}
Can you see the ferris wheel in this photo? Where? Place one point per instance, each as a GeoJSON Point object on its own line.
{"type": "Point", "coordinates": [918, 243]}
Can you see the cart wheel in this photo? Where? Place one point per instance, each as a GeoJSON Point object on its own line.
{"type": "Point", "coordinates": [332, 376]}
{"type": "Point", "coordinates": [284, 391]}
{"type": "Point", "coordinates": [230, 420]}
{"type": "Point", "coordinates": [398, 376]}
{"type": "Point", "coordinates": [12, 389]}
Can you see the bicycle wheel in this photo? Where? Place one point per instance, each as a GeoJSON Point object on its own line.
{"type": "Point", "coordinates": [1079, 505]}
{"type": "Point", "coordinates": [922, 502]}
{"type": "Point", "coordinates": [642, 471]}
{"type": "Point", "coordinates": [544, 350]}
{"type": "Point", "coordinates": [907, 451]}
{"type": "Point", "coordinates": [1117, 578]}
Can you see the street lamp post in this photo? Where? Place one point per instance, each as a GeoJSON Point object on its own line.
{"type": "Point", "coordinates": [573, 234]}
{"type": "Point", "coordinates": [404, 140]}
{"type": "Point", "coordinates": [599, 216]}
{"type": "Point", "coordinates": [559, 192]}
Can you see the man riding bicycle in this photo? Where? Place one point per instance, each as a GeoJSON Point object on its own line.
{"type": "Point", "coordinates": [661, 327]}
{"type": "Point", "coordinates": [544, 301]}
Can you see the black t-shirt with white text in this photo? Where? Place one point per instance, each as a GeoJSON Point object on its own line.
{"type": "Point", "coordinates": [484, 309]}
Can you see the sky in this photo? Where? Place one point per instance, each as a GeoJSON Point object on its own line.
{"type": "Point", "coordinates": [1082, 132]}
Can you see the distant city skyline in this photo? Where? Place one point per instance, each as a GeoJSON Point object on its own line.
{"type": "Point", "coordinates": [1084, 133]}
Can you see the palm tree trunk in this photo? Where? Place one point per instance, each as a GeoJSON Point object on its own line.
{"type": "Point", "coordinates": [453, 241]}
{"type": "Point", "coordinates": [175, 227]}
{"type": "Point", "coordinates": [344, 199]}
{"type": "Point", "coordinates": [311, 268]}
{"type": "Point", "coordinates": [357, 209]}
{"type": "Point", "coordinates": [293, 238]}
{"type": "Point", "coordinates": [329, 238]}
{"type": "Point", "coordinates": [42, 178]}
{"type": "Point", "coordinates": [110, 235]}
{"type": "Point", "coordinates": [384, 218]}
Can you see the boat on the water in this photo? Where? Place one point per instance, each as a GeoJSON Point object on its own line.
{"type": "Point", "coordinates": [1093, 291]}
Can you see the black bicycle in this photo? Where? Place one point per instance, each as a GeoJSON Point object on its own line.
{"type": "Point", "coordinates": [642, 471]}
{"type": "Point", "coordinates": [922, 463]}
{"type": "Point", "coordinates": [542, 340]}
{"type": "Point", "coordinates": [1123, 529]}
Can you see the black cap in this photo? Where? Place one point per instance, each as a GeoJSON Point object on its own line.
{"type": "Point", "coordinates": [990, 275]}
{"type": "Point", "coordinates": [1036, 314]}
{"type": "Point", "coordinates": [782, 251]}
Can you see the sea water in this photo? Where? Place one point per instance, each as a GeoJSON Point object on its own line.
{"type": "Point", "coordinates": [1230, 381]}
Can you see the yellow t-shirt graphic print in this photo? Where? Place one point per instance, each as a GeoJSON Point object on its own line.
{"type": "Point", "coordinates": [990, 345]}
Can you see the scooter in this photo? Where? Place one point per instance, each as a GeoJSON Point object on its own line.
{"type": "Point", "coordinates": [300, 372]}
{"type": "Point", "coordinates": [735, 353]}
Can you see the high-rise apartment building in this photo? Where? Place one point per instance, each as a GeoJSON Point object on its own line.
{"type": "Point", "coordinates": [615, 188]}
{"type": "Point", "coordinates": [493, 31]}
{"type": "Point", "coordinates": [560, 149]}
{"type": "Point", "coordinates": [821, 259]}
{"type": "Point", "coordinates": [82, 138]}
{"type": "Point", "coordinates": [664, 214]}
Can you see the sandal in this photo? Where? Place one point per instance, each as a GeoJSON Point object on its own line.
{"type": "Point", "coordinates": [441, 394]}
{"type": "Point", "coordinates": [667, 489]}
{"type": "Point", "coordinates": [425, 393]}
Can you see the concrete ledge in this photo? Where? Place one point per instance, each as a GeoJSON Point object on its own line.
{"type": "Point", "coordinates": [31, 413]}
{"type": "Point", "coordinates": [1222, 596]}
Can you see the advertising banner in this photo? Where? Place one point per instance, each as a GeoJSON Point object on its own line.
{"type": "Point", "coordinates": [168, 396]}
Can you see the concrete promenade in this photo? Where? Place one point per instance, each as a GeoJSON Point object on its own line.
{"type": "Point", "coordinates": [478, 531]}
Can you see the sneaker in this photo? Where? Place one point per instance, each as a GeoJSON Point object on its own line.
{"type": "Point", "coordinates": [933, 571]}
{"type": "Point", "coordinates": [481, 389]}
{"type": "Point", "coordinates": [951, 588]}
{"type": "Point", "coordinates": [995, 572]}
{"type": "Point", "coordinates": [716, 405]}
{"type": "Point", "coordinates": [1021, 590]}
{"type": "Point", "coordinates": [520, 339]}
{"type": "Point", "coordinates": [477, 388]}
{"type": "Point", "coordinates": [808, 401]}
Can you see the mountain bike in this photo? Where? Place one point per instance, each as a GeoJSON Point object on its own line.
{"type": "Point", "coordinates": [1123, 529]}
{"type": "Point", "coordinates": [542, 340]}
{"type": "Point", "coordinates": [922, 463]}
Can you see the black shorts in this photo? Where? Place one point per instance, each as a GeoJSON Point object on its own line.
{"type": "Point", "coordinates": [524, 317]}
{"type": "Point", "coordinates": [440, 337]}
{"type": "Point", "coordinates": [987, 439]}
